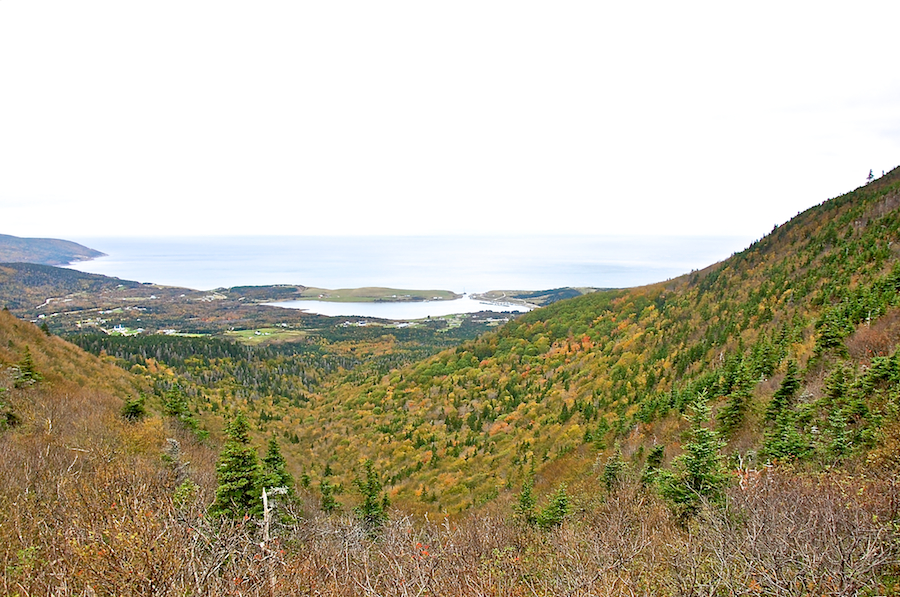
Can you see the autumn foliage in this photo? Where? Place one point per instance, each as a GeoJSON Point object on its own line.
{"type": "Point", "coordinates": [732, 432]}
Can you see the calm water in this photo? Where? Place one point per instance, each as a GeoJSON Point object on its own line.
{"type": "Point", "coordinates": [457, 263]}
{"type": "Point", "coordinates": [418, 310]}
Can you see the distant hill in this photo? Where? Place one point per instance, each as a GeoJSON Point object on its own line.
{"type": "Point", "coordinates": [24, 285]}
{"type": "Point", "coordinates": [45, 251]}
{"type": "Point", "coordinates": [541, 298]}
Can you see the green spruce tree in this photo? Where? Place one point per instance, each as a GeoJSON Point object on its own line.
{"type": "Point", "coordinates": [275, 468]}
{"type": "Point", "coordinates": [732, 413]}
{"type": "Point", "coordinates": [26, 373]}
{"type": "Point", "coordinates": [699, 476]}
{"type": "Point", "coordinates": [373, 510]}
{"type": "Point", "coordinates": [556, 510]}
{"type": "Point", "coordinates": [653, 464]}
{"type": "Point", "coordinates": [524, 507]}
{"type": "Point", "coordinates": [784, 395]}
{"type": "Point", "coordinates": [784, 441]}
{"type": "Point", "coordinates": [134, 409]}
{"type": "Point", "coordinates": [329, 504]}
{"type": "Point", "coordinates": [614, 470]}
{"type": "Point", "coordinates": [175, 404]}
{"type": "Point", "coordinates": [238, 473]}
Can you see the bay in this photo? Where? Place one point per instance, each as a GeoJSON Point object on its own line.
{"type": "Point", "coordinates": [462, 264]}
{"type": "Point", "coordinates": [400, 310]}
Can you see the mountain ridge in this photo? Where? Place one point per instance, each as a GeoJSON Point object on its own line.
{"type": "Point", "coordinates": [44, 251]}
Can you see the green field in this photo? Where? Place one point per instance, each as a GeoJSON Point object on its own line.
{"type": "Point", "coordinates": [268, 334]}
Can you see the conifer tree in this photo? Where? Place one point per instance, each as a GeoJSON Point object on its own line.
{"type": "Point", "coordinates": [27, 373]}
{"type": "Point", "coordinates": [564, 414]}
{"type": "Point", "coordinates": [784, 395]}
{"type": "Point", "coordinates": [838, 382]}
{"type": "Point", "coordinates": [525, 506]}
{"type": "Point", "coordinates": [329, 504]}
{"type": "Point", "coordinates": [373, 511]}
{"type": "Point", "coordinates": [732, 413]}
{"type": "Point", "coordinates": [556, 509]}
{"type": "Point", "coordinates": [653, 464]}
{"type": "Point", "coordinates": [175, 404]}
{"type": "Point", "coordinates": [276, 474]}
{"type": "Point", "coordinates": [614, 469]}
{"type": "Point", "coordinates": [784, 441]}
{"type": "Point", "coordinates": [698, 474]}
{"type": "Point", "coordinates": [831, 330]}
{"type": "Point", "coordinates": [7, 417]}
{"type": "Point", "coordinates": [238, 473]}
{"type": "Point", "coordinates": [134, 409]}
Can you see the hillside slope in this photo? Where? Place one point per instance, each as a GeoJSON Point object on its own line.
{"type": "Point", "coordinates": [558, 388]}
{"type": "Point", "coordinates": [71, 467]}
{"type": "Point", "coordinates": [46, 251]}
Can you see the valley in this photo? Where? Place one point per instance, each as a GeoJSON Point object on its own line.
{"type": "Point", "coordinates": [731, 431]}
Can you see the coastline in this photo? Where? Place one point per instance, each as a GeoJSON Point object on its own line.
{"type": "Point", "coordinates": [376, 294]}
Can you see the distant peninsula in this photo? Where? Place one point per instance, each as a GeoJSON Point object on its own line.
{"type": "Point", "coordinates": [43, 251]}
{"type": "Point", "coordinates": [369, 294]}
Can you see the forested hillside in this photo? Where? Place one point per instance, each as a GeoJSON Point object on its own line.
{"type": "Point", "coordinates": [811, 308]}
{"type": "Point", "coordinates": [732, 431]}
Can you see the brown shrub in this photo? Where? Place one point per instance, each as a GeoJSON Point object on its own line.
{"type": "Point", "coordinates": [879, 338]}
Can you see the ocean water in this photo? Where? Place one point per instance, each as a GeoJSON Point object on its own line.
{"type": "Point", "coordinates": [463, 264]}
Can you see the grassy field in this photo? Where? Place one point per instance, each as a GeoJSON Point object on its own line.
{"type": "Point", "coordinates": [268, 334]}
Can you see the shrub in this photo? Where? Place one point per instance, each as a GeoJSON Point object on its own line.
{"type": "Point", "coordinates": [134, 409]}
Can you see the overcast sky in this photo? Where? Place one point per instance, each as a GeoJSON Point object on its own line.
{"type": "Point", "coordinates": [421, 117]}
